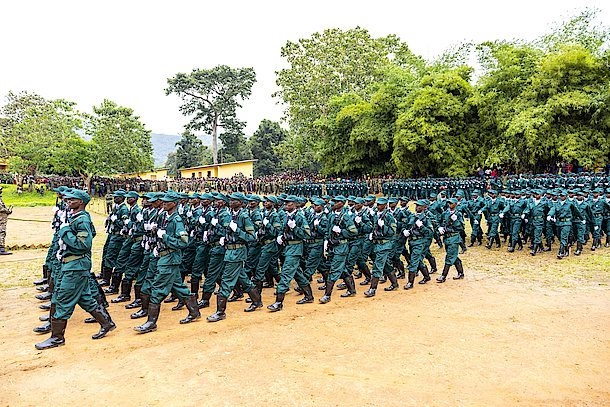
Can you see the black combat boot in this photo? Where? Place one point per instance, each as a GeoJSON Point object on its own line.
{"type": "Point", "coordinates": [43, 288]}
{"type": "Point", "coordinates": [58, 329]}
{"type": "Point", "coordinates": [560, 254]}
{"type": "Point", "coordinates": [205, 300]}
{"type": "Point", "coordinates": [443, 277]}
{"type": "Point", "coordinates": [103, 318]}
{"type": "Point", "coordinates": [489, 243]}
{"type": "Point", "coordinates": [498, 243]}
{"type": "Point", "coordinates": [578, 249]}
{"type": "Point", "coordinates": [367, 275]}
{"type": "Point", "coordinates": [278, 304]}
{"type": "Point", "coordinates": [463, 247]}
{"type": "Point", "coordinates": [534, 249]}
{"type": "Point", "coordinates": [142, 312]}
{"type": "Point", "coordinates": [256, 300]}
{"type": "Point", "coordinates": [424, 272]}
{"type": "Point", "coordinates": [106, 276]}
{"type": "Point", "coordinates": [44, 296]}
{"type": "Point", "coordinates": [191, 305]}
{"type": "Point", "coordinates": [308, 298]}
{"type": "Point", "coordinates": [519, 244]}
{"type": "Point", "coordinates": [393, 282]}
{"type": "Point", "coordinates": [221, 307]}
{"type": "Point", "coordinates": [460, 270]}
{"type": "Point", "coordinates": [238, 293]}
{"type": "Point", "coordinates": [432, 261]}
{"type": "Point", "coordinates": [341, 286]}
{"type": "Point", "coordinates": [373, 288]}
{"type": "Point", "coordinates": [472, 240]}
{"type": "Point", "coordinates": [151, 324]}
{"type": "Point", "coordinates": [327, 292]}
{"type": "Point", "coordinates": [115, 283]}
{"type": "Point", "coordinates": [46, 327]}
{"type": "Point", "coordinates": [179, 305]}
{"type": "Point", "coordinates": [171, 298]}
{"type": "Point", "coordinates": [401, 268]}
{"type": "Point", "coordinates": [45, 276]}
{"type": "Point", "coordinates": [411, 281]}
{"type": "Point", "coordinates": [351, 287]}
{"type": "Point", "coordinates": [138, 298]}
{"type": "Point", "coordinates": [125, 292]}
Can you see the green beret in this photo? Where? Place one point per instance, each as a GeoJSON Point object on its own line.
{"type": "Point", "coordinates": [393, 200]}
{"type": "Point", "coordinates": [77, 194]}
{"type": "Point", "coordinates": [351, 198]}
{"type": "Point", "coordinates": [359, 200]}
{"type": "Point", "coordinates": [318, 202]}
{"type": "Point", "coordinates": [492, 192]}
{"type": "Point", "coordinates": [271, 199]}
{"type": "Point", "coordinates": [120, 193]}
{"type": "Point", "coordinates": [132, 194]}
{"type": "Point", "coordinates": [61, 189]}
{"type": "Point", "coordinates": [452, 200]}
{"type": "Point", "coordinates": [290, 198]}
{"type": "Point", "coordinates": [382, 201]}
{"type": "Point", "coordinates": [170, 196]}
{"type": "Point", "coordinates": [421, 202]}
{"type": "Point", "coordinates": [238, 196]}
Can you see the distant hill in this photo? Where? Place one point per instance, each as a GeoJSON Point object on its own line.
{"type": "Point", "coordinates": [163, 144]}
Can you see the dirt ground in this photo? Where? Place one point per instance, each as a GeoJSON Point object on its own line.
{"type": "Point", "coordinates": [516, 331]}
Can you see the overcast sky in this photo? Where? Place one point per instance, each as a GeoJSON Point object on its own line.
{"type": "Point", "coordinates": [85, 50]}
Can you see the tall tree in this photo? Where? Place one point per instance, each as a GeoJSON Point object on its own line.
{"type": "Point", "coordinates": [234, 145]}
{"type": "Point", "coordinates": [211, 97]}
{"type": "Point", "coordinates": [191, 151]}
{"type": "Point", "coordinates": [262, 144]}
{"type": "Point", "coordinates": [121, 143]}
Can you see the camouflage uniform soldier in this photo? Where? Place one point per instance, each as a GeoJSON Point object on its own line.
{"type": "Point", "coordinates": [4, 212]}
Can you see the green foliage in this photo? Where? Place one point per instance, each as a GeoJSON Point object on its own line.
{"type": "Point", "coordinates": [26, 198]}
{"type": "Point", "coordinates": [191, 151]}
{"type": "Point", "coordinates": [234, 145]}
{"type": "Point", "coordinates": [211, 97]}
{"type": "Point", "coordinates": [121, 143]}
{"type": "Point", "coordinates": [262, 144]}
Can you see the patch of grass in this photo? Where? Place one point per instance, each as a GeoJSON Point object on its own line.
{"type": "Point", "coordinates": [11, 197]}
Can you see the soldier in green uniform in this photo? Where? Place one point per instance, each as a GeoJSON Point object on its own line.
{"type": "Point", "coordinates": [294, 231]}
{"type": "Point", "coordinates": [599, 206]}
{"type": "Point", "coordinates": [517, 210]}
{"type": "Point", "coordinates": [75, 242]}
{"type": "Point", "coordinates": [562, 214]}
{"type": "Point", "coordinates": [131, 254]}
{"type": "Point", "coordinates": [537, 212]}
{"type": "Point", "coordinates": [581, 232]}
{"type": "Point", "coordinates": [318, 222]}
{"type": "Point", "coordinates": [172, 237]}
{"type": "Point", "coordinates": [419, 232]}
{"type": "Point", "coordinates": [268, 231]}
{"type": "Point", "coordinates": [384, 227]}
{"type": "Point", "coordinates": [114, 224]}
{"type": "Point", "coordinates": [239, 230]}
{"type": "Point", "coordinates": [493, 214]}
{"type": "Point", "coordinates": [356, 257]}
{"type": "Point", "coordinates": [341, 228]}
{"type": "Point", "coordinates": [475, 207]}
{"type": "Point", "coordinates": [450, 224]}
{"type": "Point", "coordinates": [203, 216]}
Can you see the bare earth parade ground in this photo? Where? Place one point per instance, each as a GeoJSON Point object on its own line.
{"type": "Point", "coordinates": [518, 330]}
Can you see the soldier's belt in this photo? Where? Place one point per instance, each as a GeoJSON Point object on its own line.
{"type": "Point", "coordinates": [267, 241]}
{"type": "Point", "coordinates": [214, 244]}
{"type": "Point", "coordinates": [68, 259]}
{"type": "Point", "coordinates": [451, 234]}
{"type": "Point", "coordinates": [311, 241]}
{"type": "Point", "coordinates": [380, 241]}
{"type": "Point", "coordinates": [166, 252]}
{"type": "Point", "coordinates": [565, 219]}
{"type": "Point", "coordinates": [293, 242]}
{"type": "Point", "coordinates": [137, 239]}
{"type": "Point", "coordinates": [538, 217]}
{"type": "Point", "coordinates": [597, 215]}
{"type": "Point", "coordinates": [234, 246]}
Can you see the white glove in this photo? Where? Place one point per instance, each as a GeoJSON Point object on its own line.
{"type": "Point", "coordinates": [548, 218]}
{"type": "Point", "coordinates": [113, 217]}
{"type": "Point", "coordinates": [336, 229]}
{"type": "Point", "coordinates": [265, 222]}
{"type": "Point", "coordinates": [126, 221]}
{"type": "Point", "coordinates": [189, 214]}
{"type": "Point", "coordinates": [180, 210]}
{"type": "Point", "coordinates": [147, 226]}
{"type": "Point", "coordinates": [326, 210]}
{"type": "Point", "coordinates": [501, 215]}
{"type": "Point", "coordinates": [316, 222]}
{"type": "Point", "coordinates": [370, 236]}
{"type": "Point", "coordinates": [161, 233]}
{"type": "Point", "coordinates": [419, 223]}
{"type": "Point", "coordinates": [479, 212]}
{"type": "Point", "coordinates": [205, 235]}
{"type": "Point", "coordinates": [553, 219]}
{"type": "Point", "coordinates": [326, 245]}
{"type": "Point", "coordinates": [55, 209]}
{"type": "Point", "coordinates": [595, 227]}
{"type": "Point", "coordinates": [64, 225]}
{"type": "Point", "coordinates": [454, 217]}
{"type": "Point", "coordinates": [406, 233]}
{"type": "Point", "coordinates": [192, 233]}
{"type": "Point", "coordinates": [146, 246]}
{"type": "Point", "coordinates": [380, 222]}
{"type": "Point", "coordinates": [214, 221]}
{"type": "Point", "coordinates": [139, 217]}
{"type": "Point", "coordinates": [371, 211]}
{"type": "Point", "coordinates": [357, 219]}
{"type": "Point", "coordinates": [292, 224]}
{"type": "Point", "coordinates": [525, 220]}
{"type": "Point", "coordinates": [233, 226]}
{"type": "Point", "coordinates": [222, 241]}
{"type": "Point", "coordinates": [279, 240]}
{"type": "Point", "coordinates": [153, 225]}
{"type": "Point", "coordinates": [441, 230]}
{"type": "Point", "coordinates": [476, 222]}
{"type": "Point", "coordinates": [155, 252]}
{"type": "Point", "coordinates": [201, 220]}
{"type": "Point", "coordinates": [522, 216]}
{"type": "Point", "coordinates": [584, 222]}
